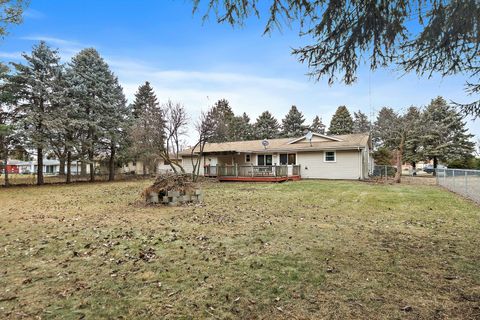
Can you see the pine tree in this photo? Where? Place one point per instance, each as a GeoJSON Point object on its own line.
{"type": "Point", "coordinates": [148, 131]}
{"type": "Point", "coordinates": [68, 133]}
{"type": "Point", "coordinates": [221, 115]}
{"type": "Point", "coordinates": [115, 126]}
{"type": "Point", "coordinates": [35, 87]}
{"type": "Point", "coordinates": [266, 126]}
{"type": "Point", "coordinates": [383, 156]}
{"type": "Point", "coordinates": [247, 128]}
{"type": "Point", "coordinates": [361, 124]}
{"type": "Point", "coordinates": [292, 124]}
{"type": "Point", "coordinates": [240, 128]}
{"type": "Point", "coordinates": [93, 85]}
{"type": "Point", "coordinates": [413, 148]}
{"type": "Point", "coordinates": [62, 126]}
{"type": "Point", "coordinates": [317, 125]}
{"type": "Point", "coordinates": [341, 122]}
{"type": "Point", "coordinates": [143, 97]}
{"type": "Point", "coordinates": [392, 131]}
{"type": "Point", "coordinates": [445, 137]}
{"type": "Point", "coordinates": [387, 120]}
{"type": "Point", "coordinates": [7, 128]}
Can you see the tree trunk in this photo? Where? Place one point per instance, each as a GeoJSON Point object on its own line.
{"type": "Point", "coordinates": [83, 168]}
{"type": "Point", "coordinates": [92, 166]}
{"type": "Point", "coordinates": [40, 180]}
{"type": "Point", "coordinates": [5, 161]}
{"type": "Point", "coordinates": [69, 166]}
{"type": "Point", "coordinates": [62, 167]}
{"type": "Point", "coordinates": [398, 174]}
{"type": "Point", "coordinates": [144, 168]}
{"type": "Point", "coordinates": [435, 164]}
{"type": "Point", "coordinates": [111, 163]}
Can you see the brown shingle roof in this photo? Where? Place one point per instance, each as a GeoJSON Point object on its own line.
{"type": "Point", "coordinates": [348, 141]}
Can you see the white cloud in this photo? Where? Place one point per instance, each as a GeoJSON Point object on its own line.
{"type": "Point", "coordinates": [11, 55]}
{"type": "Point", "coordinates": [33, 14]}
{"type": "Point", "coordinates": [53, 40]}
{"type": "Point", "coordinates": [253, 92]}
{"type": "Point", "coordinates": [66, 48]}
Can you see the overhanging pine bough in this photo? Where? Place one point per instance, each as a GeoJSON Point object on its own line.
{"type": "Point", "coordinates": [426, 37]}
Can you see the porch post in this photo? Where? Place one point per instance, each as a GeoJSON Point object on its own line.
{"type": "Point", "coordinates": [236, 169]}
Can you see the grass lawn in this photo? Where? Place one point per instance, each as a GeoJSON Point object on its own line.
{"type": "Point", "coordinates": [297, 250]}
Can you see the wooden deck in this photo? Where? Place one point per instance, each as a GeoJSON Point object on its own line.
{"type": "Point", "coordinates": [258, 179]}
{"type": "Point", "coordinates": [268, 173]}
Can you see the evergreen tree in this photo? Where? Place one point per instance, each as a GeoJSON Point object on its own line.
{"type": "Point", "coordinates": [383, 156]}
{"type": "Point", "coordinates": [413, 148]}
{"type": "Point", "coordinates": [63, 124]}
{"type": "Point", "coordinates": [292, 124]}
{"type": "Point", "coordinates": [145, 96]}
{"type": "Point", "coordinates": [93, 86]}
{"type": "Point", "coordinates": [148, 131]}
{"type": "Point", "coordinates": [248, 130]}
{"type": "Point", "coordinates": [266, 126]}
{"type": "Point", "coordinates": [67, 133]}
{"type": "Point", "coordinates": [392, 131]}
{"type": "Point", "coordinates": [11, 12]}
{"type": "Point", "coordinates": [317, 125]}
{"type": "Point", "coordinates": [221, 115]}
{"type": "Point", "coordinates": [342, 122]}
{"type": "Point", "coordinates": [240, 128]}
{"type": "Point", "coordinates": [361, 124]}
{"type": "Point", "coordinates": [115, 126]}
{"type": "Point", "coordinates": [445, 137]}
{"type": "Point", "coordinates": [380, 137]}
{"type": "Point", "coordinates": [419, 36]}
{"type": "Point", "coordinates": [7, 132]}
{"type": "Point", "coordinates": [35, 88]}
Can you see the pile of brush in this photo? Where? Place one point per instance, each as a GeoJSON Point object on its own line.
{"type": "Point", "coordinates": [168, 185]}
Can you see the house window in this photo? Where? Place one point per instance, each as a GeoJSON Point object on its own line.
{"type": "Point", "coordinates": [264, 160]}
{"type": "Point", "coordinates": [290, 158]}
{"type": "Point", "coordinates": [247, 158]}
{"type": "Point", "coordinates": [330, 156]}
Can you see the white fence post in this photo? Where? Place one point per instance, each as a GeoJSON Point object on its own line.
{"type": "Point", "coordinates": [453, 175]}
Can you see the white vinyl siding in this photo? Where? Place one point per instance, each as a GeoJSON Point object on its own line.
{"type": "Point", "coordinates": [347, 165]}
{"type": "Point", "coordinates": [188, 166]}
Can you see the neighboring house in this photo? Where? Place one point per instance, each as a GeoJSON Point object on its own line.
{"type": "Point", "coordinates": [322, 157]}
{"type": "Point", "coordinates": [136, 167]}
{"type": "Point", "coordinates": [16, 166]}
{"type": "Point", "coordinates": [51, 167]}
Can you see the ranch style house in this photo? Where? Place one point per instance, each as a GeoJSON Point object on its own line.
{"type": "Point", "coordinates": [314, 156]}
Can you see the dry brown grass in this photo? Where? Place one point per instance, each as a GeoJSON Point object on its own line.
{"type": "Point", "coordinates": [298, 250]}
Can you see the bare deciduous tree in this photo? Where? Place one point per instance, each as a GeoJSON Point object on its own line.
{"type": "Point", "coordinates": [205, 131]}
{"type": "Point", "coordinates": [176, 119]}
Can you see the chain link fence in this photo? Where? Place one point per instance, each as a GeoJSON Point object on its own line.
{"type": "Point", "coordinates": [463, 182]}
{"type": "Point", "coordinates": [383, 172]}
{"type": "Point", "coordinates": [31, 179]}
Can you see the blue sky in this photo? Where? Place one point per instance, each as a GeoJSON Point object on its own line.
{"type": "Point", "coordinates": [197, 63]}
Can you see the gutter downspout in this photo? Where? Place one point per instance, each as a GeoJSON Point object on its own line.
{"type": "Point", "coordinates": [360, 164]}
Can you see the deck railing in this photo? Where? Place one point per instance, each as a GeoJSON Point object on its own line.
{"type": "Point", "coordinates": [252, 171]}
